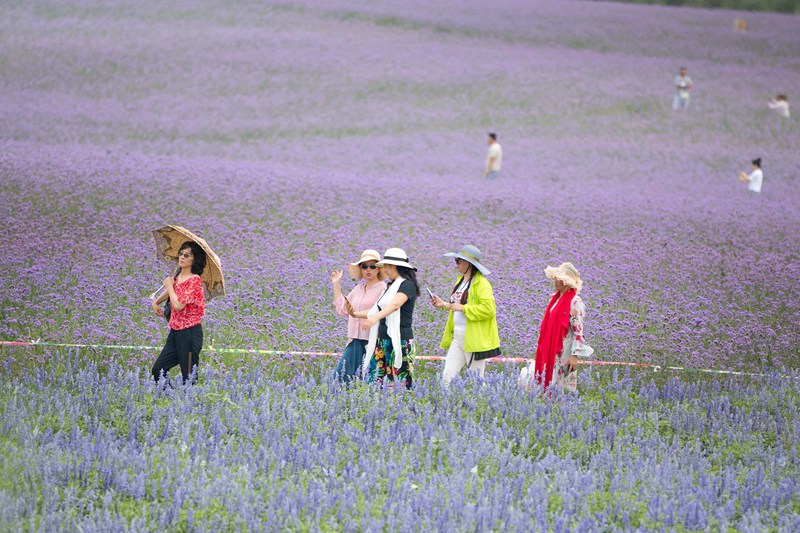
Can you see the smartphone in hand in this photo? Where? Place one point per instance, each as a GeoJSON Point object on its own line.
{"type": "Point", "coordinates": [429, 292]}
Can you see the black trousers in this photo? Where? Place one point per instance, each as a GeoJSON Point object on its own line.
{"type": "Point", "coordinates": [182, 348]}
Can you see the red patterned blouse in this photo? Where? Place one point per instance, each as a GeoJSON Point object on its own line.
{"type": "Point", "coordinates": [189, 292]}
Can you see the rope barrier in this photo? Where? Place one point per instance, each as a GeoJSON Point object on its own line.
{"type": "Point", "coordinates": [211, 348]}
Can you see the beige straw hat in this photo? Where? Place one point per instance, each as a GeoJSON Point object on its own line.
{"type": "Point", "coordinates": [367, 255]}
{"type": "Point", "coordinates": [567, 273]}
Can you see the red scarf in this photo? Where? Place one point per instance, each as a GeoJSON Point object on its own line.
{"type": "Point", "coordinates": [555, 326]}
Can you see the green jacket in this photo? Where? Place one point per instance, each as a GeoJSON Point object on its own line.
{"type": "Point", "coordinates": [481, 313]}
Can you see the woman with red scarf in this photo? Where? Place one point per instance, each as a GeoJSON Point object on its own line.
{"type": "Point", "coordinates": [561, 333]}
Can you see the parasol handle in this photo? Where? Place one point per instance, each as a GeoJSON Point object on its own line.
{"type": "Point", "coordinates": [155, 294]}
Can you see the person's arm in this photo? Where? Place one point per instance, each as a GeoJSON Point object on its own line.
{"type": "Point", "coordinates": [352, 311]}
{"type": "Point", "coordinates": [338, 297]}
{"type": "Point", "coordinates": [577, 313]}
{"type": "Point", "coordinates": [169, 283]}
{"type": "Point", "coordinates": [438, 302]}
{"type": "Point", "coordinates": [396, 303]}
{"type": "Point", "coordinates": [359, 314]}
{"type": "Point", "coordinates": [173, 299]}
{"type": "Point", "coordinates": [161, 298]}
{"type": "Point", "coordinates": [491, 155]}
{"type": "Point", "coordinates": [157, 303]}
{"type": "Point", "coordinates": [489, 164]}
{"type": "Point", "coordinates": [189, 297]}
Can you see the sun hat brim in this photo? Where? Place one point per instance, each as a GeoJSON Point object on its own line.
{"type": "Point", "coordinates": [471, 260]}
{"type": "Point", "coordinates": [355, 268]}
{"type": "Point", "coordinates": [396, 257]}
{"type": "Point", "coordinates": [356, 272]}
{"type": "Point", "coordinates": [396, 263]}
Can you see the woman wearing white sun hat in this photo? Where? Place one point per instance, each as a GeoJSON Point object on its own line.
{"type": "Point", "coordinates": [362, 297]}
{"type": "Point", "coordinates": [391, 350]}
{"type": "Point", "coordinates": [470, 336]}
{"type": "Point", "coordinates": [561, 340]}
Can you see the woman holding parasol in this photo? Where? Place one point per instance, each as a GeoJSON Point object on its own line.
{"type": "Point", "coordinates": [198, 268]}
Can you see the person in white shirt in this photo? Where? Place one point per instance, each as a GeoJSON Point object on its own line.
{"type": "Point", "coordinates": [755, 177]}
{"type": "Point", "coordinates": [780, 104]}
{"type": "Point", "coordinates": [683, 83]}
{"type": "Point", "coordinates": [494, 158]}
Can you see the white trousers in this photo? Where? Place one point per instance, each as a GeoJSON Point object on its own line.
{"type": "Point", "coordinates": [457, 358]}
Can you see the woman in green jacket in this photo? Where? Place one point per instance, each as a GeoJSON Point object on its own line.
{"type": "Point", "coordinates": [470, 336]}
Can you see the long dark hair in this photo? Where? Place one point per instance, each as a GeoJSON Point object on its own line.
{"type": "Point", "coordinates": [198, 256]}
{"type": "Point", "coordinates": [409, 273]}
{"type": "Point", "coordinates": [465, 294]}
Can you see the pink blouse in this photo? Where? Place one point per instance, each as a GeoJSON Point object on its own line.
{"type": "Point", "coordinates": [362, 300]}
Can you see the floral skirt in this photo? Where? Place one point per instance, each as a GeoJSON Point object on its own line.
{"type": "Point", "coordinates": [381, 364]}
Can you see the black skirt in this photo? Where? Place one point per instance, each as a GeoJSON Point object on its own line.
{"type": "Point", "coordinates": [494, 352]}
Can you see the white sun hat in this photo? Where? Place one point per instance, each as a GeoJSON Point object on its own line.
{"type": "Point", "coordinates": [397, 257]}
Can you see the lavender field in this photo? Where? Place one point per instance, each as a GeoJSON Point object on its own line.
{"type": "Point", "coordinates": [292, 136]}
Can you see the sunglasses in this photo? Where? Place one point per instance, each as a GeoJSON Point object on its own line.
{"type": "Point", "coordinates": [185, 254]}
{"type": "Point", "coordinates": [458, 260]}
{"type": "Point", "coordinates": [371, 267]}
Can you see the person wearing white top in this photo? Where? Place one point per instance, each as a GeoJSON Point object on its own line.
{"type": "Point", "coordinates": [494, 158]}
{"type": "Point", "coordinates": [780, 104]}
{"type": "Point", "coordinates": [755, 178]}
{"type": "Point", "coordinates": [470, 334]}
{"type": "Point", "coordinates": [391, 349]}
{"type": "Point", "coordinates": [683, 83]}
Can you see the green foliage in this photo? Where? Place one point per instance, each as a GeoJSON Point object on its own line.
{"type": "Point", "coordinates": [627, 409]}
{"type": "Point", "coordinates": [779, 6]}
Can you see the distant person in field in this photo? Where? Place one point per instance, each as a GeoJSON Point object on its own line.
{"type": "Point", "coordinates": [683, 84]}
{"type": "Point", "coordinates": [780, 104]}
{"type": "Point", "coordinates": [363, 296]}
{"type": "Point", "coordinates": [494, 158]}
{"type": "Point", "coordinates": [470, 335]}
{"type": "Point", "coordinates": [561, 341]}
{"type": "Point", "coordinates": [755, 178]}
{"type": "Point", "coordinates": [188, 303]}
{"type": "Point", "coordinates": [391, 349]}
